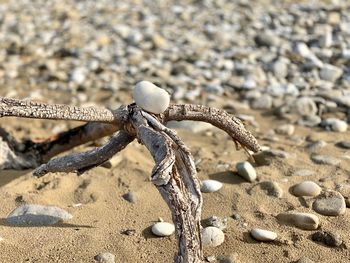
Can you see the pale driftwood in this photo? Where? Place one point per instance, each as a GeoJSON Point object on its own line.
{"type": "Point", "coordinates": [81, 162]}
{"type": "Point", "coordinates": [174, 173]}
{"type": "Point", "coordinates": [175, 177]}
{"type": "Point", "coordinates": [39, 110]}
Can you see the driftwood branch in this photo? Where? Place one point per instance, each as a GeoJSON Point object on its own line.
{"type": "Point", "coordinates": [174, 173]}
{"type": "Point", "coordinates": [175, 177]}
{"type": "Point", "coordinates": [39, 110]}
{"type": "Point", "coordinates": [81, 162]}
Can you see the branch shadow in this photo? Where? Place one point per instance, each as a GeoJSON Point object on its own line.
{"type": "Point", "coordinates": [228, 177]}
{"type": "Point", "coordinates": [4, 223]}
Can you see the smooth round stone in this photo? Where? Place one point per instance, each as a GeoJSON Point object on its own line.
{"type": "Point", "coordinates": [330, 203]}
{"type": "Point", "coordinates": [339, 126]}
{"type": "Point", "coordinates": [218, 222]}
{"type": "Point", "coordinates": [37, 215]}
{"type": "Point", "coordinates": [150, 97]}
{"type": "Point", "coordinates": [328, 238]}
{"type": "Point", "coordinates": [335, 124]}
{"type": "Point", "coordinates": [306, 188]}
{"type": "Point", "coordinates": [344, 189]}
{"type": "Point", "coordinates": [344, 144]}
{"type": "Point", "coordinates": [301, 220]}
{"type": "Point", "coordinates": [212, 236]}
{"type": "Point", "coordinates": [324, 159]}
{"type": "Point", "coordinates": [163, 229]}
{"type": "Point", "coordinates": [246, 170]}
{"type": "Point", "coordinates": [263, 235]}
{"type": "Point", "coordinates": [209, 186]}
{"type": "Point", "coordinates": [287, 129]}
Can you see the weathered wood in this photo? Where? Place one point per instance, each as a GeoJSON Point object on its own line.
{"type": "Point", "coordinates": [175, 177]}
{"type": "Point", "coordinates": [217, 117]}
{"type": "Point", "coordinates": [174, 173]}
{"type": "Point", "coordinates": [39, 110]}
{"type": "Point", "coordinates": [81, 162]}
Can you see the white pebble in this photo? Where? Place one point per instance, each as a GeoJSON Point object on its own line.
{"type": "Point", "coordinates": [150, 97]}
{"type": "Point", "coordinates": [163, 229]}
{"type": "Point", "coordinates": [302, 220]}
{"type": "Point", "coordinates": [306, 188]}
{"type": "Point", "coordinates": [209, 186]}
{"type": "Point", "coordinates": [212, 236]}
{"type": "Point", "coordinates": [246, 170]}
{"type": "Point", "coordinates": [286, 129]}
{"type": "Point", "coordinates": [263, 235]}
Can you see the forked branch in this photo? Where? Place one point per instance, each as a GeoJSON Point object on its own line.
{"type": "Point", "coordinates": [174, 173]}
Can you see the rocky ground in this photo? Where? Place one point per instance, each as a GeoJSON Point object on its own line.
{"type": "Point", "coordinates": [283, 67]}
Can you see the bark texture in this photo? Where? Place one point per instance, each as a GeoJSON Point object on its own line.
{"type": "Point", "coordinates": [39, 110]}
{"type": "Point", "coordinates": [175, 177]}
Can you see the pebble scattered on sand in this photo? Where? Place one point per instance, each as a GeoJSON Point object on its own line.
{"type": "Point", "coordinates": [212, 236]}
{"type": "Point", "coordinates": [210, 186]}
{"type": "Point", "coordinates": [263, 235]}
{"type": "Point", "coordinates": [306, 188]}
{"type": "Point", "coordinates": [327, 238]}
{"type": "Point", "coordinates": [305, 221]}
{"type": "Point", "coordinates": [344, 189]}
{"type": "Point", "coordinates": [344, 144]}
{"type": "Point", "coordinates": [325, 159]}
{"type": "Point", "coordinates": [105, 257]}
{"type": "Point", "coordinates": [215, 221]}
{"type": "Point", "coordinates": [246, 170]}
{"type": "Point", "coordinates": [37, 215]}
{"type": "Point", "coordinates": [330, 203]}
{"type": "Point", "coordinates": [163, 229]}
{"type": "Point", "coordinates": [130, 197]}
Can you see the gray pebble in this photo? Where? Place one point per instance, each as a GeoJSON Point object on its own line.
{"type": "Point", "coordinates": [324, 159]}
{"type": "Point", "coordinates": [330, 73]}
{"type": "Point", "coordinates": [316, 145]}
{"type": "Point", "coordinates": [262, 103]}
{"type": "Point", "coordinates": [306, 188]}
{"type": "Point", "coordinates": [344, 189]}
{"type": "Point", "coordinates": [246, 170]}
{"type": "Point", "coordinates": [130, 197]}
{"type": "Point", "coordinates": [215, 221]}
{"type": "Point", "coordinates": [37, 215]}
{"type": "Point", "coordinates": [344, 144]}
{"type": "Point", "coordinates": [330, 203]}
{"type": "Point", "coordinates": [328, 238]}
